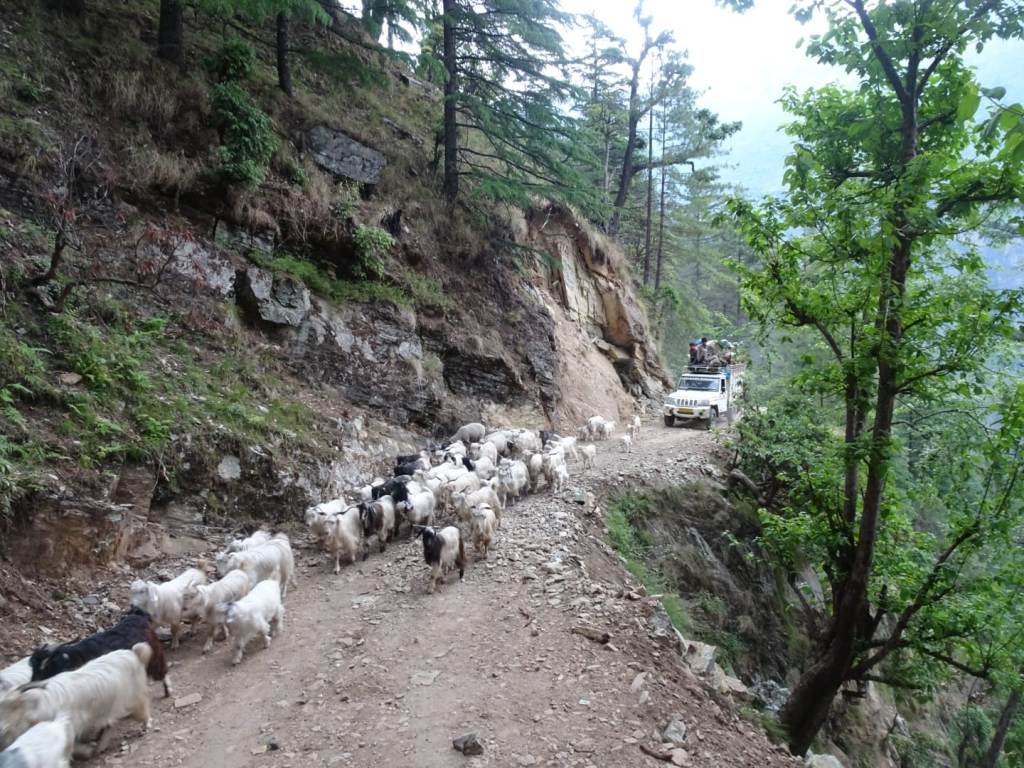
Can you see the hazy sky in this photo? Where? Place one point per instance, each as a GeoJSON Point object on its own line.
{"type": "Point", "coordinates": [742, 62]}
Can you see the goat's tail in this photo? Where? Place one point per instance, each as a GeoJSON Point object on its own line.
{"type": "Point", "coordinates": [156, 666]}
{"type": "Point", "coordinates": [461, 561]}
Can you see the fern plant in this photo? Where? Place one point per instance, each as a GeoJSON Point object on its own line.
{"type": "Point", "coordinates": [372, 244]}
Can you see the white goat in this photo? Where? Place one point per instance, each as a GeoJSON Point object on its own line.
{"type": "Point", "coordinates": [484, 451]}
{"type": "Point", "coordinates": [513, 479]}
{"type": "Point", "coordinates": [534, 470]}
{"type": "Point", "coordinates": [634, 428]}
{"type": "Point", "coordinates": [561, 477]}
{"type": "Point", "coordinates": [458, 448]}
{"type": "Point", "coordinates": [343, 536]}
{"type": "Point", "coordinates": [526, 441]}
{"type": "Point", "coordinates": [595, 427]}
{"type": "Point", "coordinates": [317, 517]}
{"type": "Point", "coordinates": [446, 471]}
{"type": "Point", "coordinates": [273, 560]}
{"type": "Point", "coordinates": [240, 545]}
{"type": "Point", "coordinates": [568, 445]}
{"type": "Point", "coordinates": [200, 601]}
{"type": "Point", "coordinates": [485, 468]}
{"type": "Point", "coordinates": [93, 697]}
{"type": "Point", "coordinates": [552, 461]}
{"type": "Point", "coordinates": [464, 503]}
{"type": "Point", "coordinates": [258, 613]}
{"type": "Point", "coordinates": [433, 484]}
{"type": "Point", "coordinates": [419, 509]}
{"type": "Point", "coordinates": [467, 483]}
{"type": "Point", "coordinates": [589, 455]}
{"type": "Point", "coordinates": [607, 429]}
{"type": "Point", "coordinates": [164, 601]}
{"type": "Point", "coordinates": [501, 440]}
{"type": "Point", "coordinates": [484, 524]}
{"type": "Point", "coordinates": [19, 673]}
{"type": "Point", "coordinates": [45, 745]}
{"type": "Point", "coordinates": [470, 433]}
{"type": "Point", "coordinates": [627, 443]}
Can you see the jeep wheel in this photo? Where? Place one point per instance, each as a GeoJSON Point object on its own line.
{"type": "Point", "coordinates": [712, 417]}
{"type": "Point", "coordinates": [670, 421]}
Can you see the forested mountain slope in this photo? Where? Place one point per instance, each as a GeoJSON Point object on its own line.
{"type": "Point", "coordinates": [306, 324]}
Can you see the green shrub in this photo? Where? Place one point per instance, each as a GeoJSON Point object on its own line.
{"type": "Point", "coordinates": [330, 287]}
{"type": "Point", "coordinates": [372, 243]}
{"type": "Point", "coordinates": [920, 750]}
{"type": "Point", "coordinates": [633, 544]}
{"type": "Point", "coordinates": [972, 734]}
{"type": "Point", "coordinates": [235, 60]}
{"type": "Point", "coordinates": [427, 291]}
{"type": "Point", "coordinates": [247, 133]}
{"type": "Point", "coordinates": [29, 90]}
{"type": "Point", "coordinates": [295, 173]}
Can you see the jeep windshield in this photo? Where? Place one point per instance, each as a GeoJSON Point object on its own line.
{"type": "Point", "coordinates": [701, 385]}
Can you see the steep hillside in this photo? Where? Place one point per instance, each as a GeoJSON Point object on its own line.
{"type": "Point", "coordinates": [210, 352]}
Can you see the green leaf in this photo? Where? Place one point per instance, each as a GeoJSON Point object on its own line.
{"type": "Point", "coordinates": [969, 104]}
{"type": "Point", "coordinates": [994, 93]}
{"type": "Point", "coordinates": [1008, 119]}
{"type": "Point", "coordinates": [1017, 154]}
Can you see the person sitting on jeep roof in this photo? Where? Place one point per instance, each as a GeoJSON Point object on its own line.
{"type": "Point", "coordinates": [693, 353]}
{"type": "Point", "coordinates": [702, 351]}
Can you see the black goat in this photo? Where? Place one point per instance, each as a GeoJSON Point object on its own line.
{"type": "Point", "coordinates": [547, 436]}
{"type": "Point", "coordinates": [136, 626]}
{"type": "Point", "coordinates": [406, 469]}
{"type": "Point", "coordinates": [395, 488]}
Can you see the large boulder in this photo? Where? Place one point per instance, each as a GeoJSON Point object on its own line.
{"type": "Point", "coordinates": [344, 157]}
{"type": "Point", "coordinates": [277, 299]}
{"type": "Point", "coordinates": [700, 657]}
{"type": "Point", "coordinates": [624, 320]}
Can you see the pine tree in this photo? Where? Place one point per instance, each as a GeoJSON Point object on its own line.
{"type": "Point", "coordinates": [505, 125]}
{"type": "Point", "coordinates": [399, 17]}
{"type": "Point", "coordinates": [170, 39]}
{"type": "Point", "coordinates": [603, 107]}
{"type": "Point", "coordinates": [282, 12]}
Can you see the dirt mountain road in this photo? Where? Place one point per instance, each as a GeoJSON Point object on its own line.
{"type": "Point", "coordinates": [373, 671]}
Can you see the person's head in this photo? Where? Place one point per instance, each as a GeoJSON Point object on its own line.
{"type": "Point", "coordinates": [693, 345]}
{"type": "Point", "coordinates": [703, 339]}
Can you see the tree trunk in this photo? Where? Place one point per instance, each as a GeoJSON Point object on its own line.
{"type": "Point", "coordinates": [627, 158]}
{"type": "Point", "coordinates": [650, 188]}
{"type": "Point", "coordinates": [170, 38]}
{"type": "Point", "coordinates": [1006, 719]}
{"type": "Point", "coordinates": [807, 707]}
{"type": "Point", "coordinates": [284, 74]}
{"type": "Point", "coordinates": [661, 207]}
{"type": "Point", "coordinates": [451, 137]}
{"type": "Point", "coordinates": [70, 7]}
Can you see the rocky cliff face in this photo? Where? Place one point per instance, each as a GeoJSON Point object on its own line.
{"type": "Point", "coordinates": [542, 342]}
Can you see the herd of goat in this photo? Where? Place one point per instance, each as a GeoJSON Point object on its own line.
{"type": "Point", "coordinates": [63, 697]}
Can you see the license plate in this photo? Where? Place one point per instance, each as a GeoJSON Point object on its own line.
{"type": "Point", "coordinates": [684, 410]}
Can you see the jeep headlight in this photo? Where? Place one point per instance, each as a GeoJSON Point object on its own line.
{"type": "Point", "coordinates": [703, 402]}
